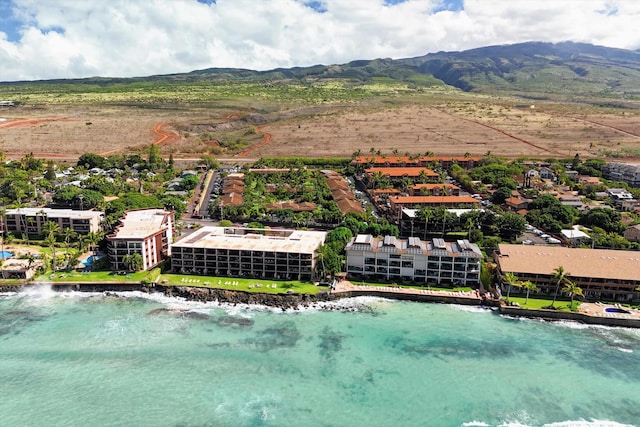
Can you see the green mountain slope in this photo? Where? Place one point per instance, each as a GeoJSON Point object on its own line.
{"type": "Point", "coordinates": [562, 71]}
{"type": "Point", "coordinates": [539, 70]}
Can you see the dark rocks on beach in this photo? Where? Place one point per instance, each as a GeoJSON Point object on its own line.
{"type": "Point", "coordinates": [282, 301]}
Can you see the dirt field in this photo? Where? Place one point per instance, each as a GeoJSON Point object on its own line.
{"type": "Point", "coordinates": [444, 127]}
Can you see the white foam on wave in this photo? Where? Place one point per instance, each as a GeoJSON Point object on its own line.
{"type": "Point", "coordinates": [585, 423]}
{"type": "Point", "coordinates": [625, 350]}
{"type": "Point", "coordinates": [568, 423]}
{"type": "Point", "coordinates": [248, 310]}
{"type": "Point", "coordinates": [470, 308]}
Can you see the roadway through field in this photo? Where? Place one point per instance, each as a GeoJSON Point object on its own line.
{"type": "Point", "coordinates": [495, 129]}
{"type": "Point", "coordinates": [265, 141]}
{"type": "Point", "coordinates": [21, 123]}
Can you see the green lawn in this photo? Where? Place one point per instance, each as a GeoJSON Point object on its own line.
{"type": "Point", "coordinates": [248, 285]}
{"type": "Point", "coordinates": [538, 303]}
{"type": "Point", "coordinates": [97, 277]}
{"type": "Point", "coordinates": [426, 286]}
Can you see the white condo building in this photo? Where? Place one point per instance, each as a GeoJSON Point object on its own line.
{"type": "Point", "coordinates": [412, 260]}
{"type": "Point", "coordinates": [236, 251]}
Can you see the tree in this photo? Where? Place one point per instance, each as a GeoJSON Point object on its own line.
{"type": "Point", "coordinates": [189, 182]}
{"type": "Point", "coordinates": [425, 214]}
{"type": "Point", "coordinates": [529, 286]}
{"type": "Point", "coordinates": [68, 234]}
{"type": "Point", "coordinates": [134, 262]}
{"type": "Point", "coordinates": [90, 160]}
{"type": "Point", "coordinates": [605, 218]}
{"type": "Point", "coordinates": [154, 161]}
{"type": "Point", "coordinates": [559, 276]}
{"type": "Point", "coordinates": [50, 229]}
{"type": "Point", "coordinates": [225, 223]}
{"type": "Point", "coordinates": [510, 225]}
{"type": "Point", "coordinates": [209, 161]}
{"type": "Point", "coordinates": [573, 290]}
{"type": "Point", "coordinates": [50, 241]}
{"type": "Point", "coordinates": [511, 280]}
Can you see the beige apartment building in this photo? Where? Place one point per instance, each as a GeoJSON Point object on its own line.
{"type": "Point", "coordinates": [237, 252]}
{"type": "Point", "coordinates": [148, 232]}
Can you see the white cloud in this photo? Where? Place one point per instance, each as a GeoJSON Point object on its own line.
{"type": "Point", "coordinates": [70, 38]}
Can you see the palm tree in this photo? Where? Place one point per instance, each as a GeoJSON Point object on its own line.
{"type": "Point", "coordinates": [133, 262]}
{"type": "Point", "coordinates": [50, 229]}
{"type": "Point", "coordinates": [573, 290]}
{"type": "Point", "coordinates": [510, 279]}
{"type": "Point", "coordinates": [68, 235]}
{"type": "Point", "coordinates": [559, 276]}
{"type": "Point", "coordinates": [529, 286]}
{"type": "Point", "coordinates": [426, 214]}
{"type": "Point", "coordinates": [50, 241]}
{"type": "Point", "coordinates": [93, 238]}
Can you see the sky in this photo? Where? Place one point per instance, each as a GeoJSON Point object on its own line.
{"type": "Point", "coordinates": [47, 39]}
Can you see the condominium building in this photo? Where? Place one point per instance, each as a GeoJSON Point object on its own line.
{"type": "Point", "coordinates": [413, 260]}
{"type": "Point", "coordinates": [148, 232]}
{"type": "Point", "coordinates": [237, 251]}
{"type": "Point", "coordinates": [32, 220]}
{"type": "Point", "coordinates": [601, 273]}
{"type": "Point", "coordinates": [624, 172]}
{"type": "Point", "coordinates": [397, 203]}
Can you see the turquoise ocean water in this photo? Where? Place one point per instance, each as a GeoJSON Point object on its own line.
{"type": "Point", "coordinates": [92, 360]}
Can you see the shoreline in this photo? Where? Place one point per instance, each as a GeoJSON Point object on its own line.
{"type": "Point", "coordinates": [294, 300]}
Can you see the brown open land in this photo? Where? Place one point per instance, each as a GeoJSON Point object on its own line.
{"type": "Point", "coordinates": [447, 126]}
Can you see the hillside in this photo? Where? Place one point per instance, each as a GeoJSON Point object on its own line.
{"type": "Point", "coordinates": [571, 71]}
{"type": "Point", "coordinates": [534, 70]}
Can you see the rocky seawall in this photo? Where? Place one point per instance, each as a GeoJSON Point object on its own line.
{"type": "Point", "coordinates": [283, 301]}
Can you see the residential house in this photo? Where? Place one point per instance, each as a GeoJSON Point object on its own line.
{"type": "Point", "coordinates": [632, 233]}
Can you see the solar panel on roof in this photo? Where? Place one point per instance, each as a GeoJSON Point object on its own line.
{"type": "Point", "coordinates": [439, 243]}
{"type": "Point", "coordinates": [363, 238]}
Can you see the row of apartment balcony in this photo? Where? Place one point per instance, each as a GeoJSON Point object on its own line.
{"type": "Point", "coordinates": [177, 264]}
{"type": "Point", "coordinates": [471, 267]}
{"type": "Point", "coordinates": [235, 272]}
{"type": "Point", "coordinates": [418, 272]}
{"type": "Point", "coordinates": [238, 252]}
{"type": "Point", "coordinates": [255, 260]}
{"type": "Point", "coordinates": [434, 259]}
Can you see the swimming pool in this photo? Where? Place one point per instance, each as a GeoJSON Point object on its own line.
{"type": "Point", "coordinates": [87, 262]}
{"type": "Point", "coordinates": [6, 254]}
{"type": "Point", "coordinates": [616, 310]}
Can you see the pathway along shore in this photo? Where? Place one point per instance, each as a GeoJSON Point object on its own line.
{"type": "Point", "coordinates": [590, 313]}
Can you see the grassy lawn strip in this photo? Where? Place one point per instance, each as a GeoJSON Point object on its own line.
{"type": "Point", "coordinates": [95, 276]}
{"type": "Point", "coordinates": [426, 286]}
{"type": "Point", "coordinates": [538, 303]}
{"type": "Point", "coordinates": [247, 285]}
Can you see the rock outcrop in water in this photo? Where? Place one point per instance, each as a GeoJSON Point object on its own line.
{"type": "Point", "coordinates": [283, 301]}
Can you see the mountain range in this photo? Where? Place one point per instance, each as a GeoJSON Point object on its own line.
{"type": "Point", "coordinates": [534, 70]}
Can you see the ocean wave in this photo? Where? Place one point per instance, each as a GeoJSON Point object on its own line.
{"type": "Point", "coordinates": [471, 308]}
{"type": "Point", "coordinates": [179, 303]}
{"type": "Point", "coordinates": [585, 423]}
{"type": "Point", "coordinates": [568, 423]}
